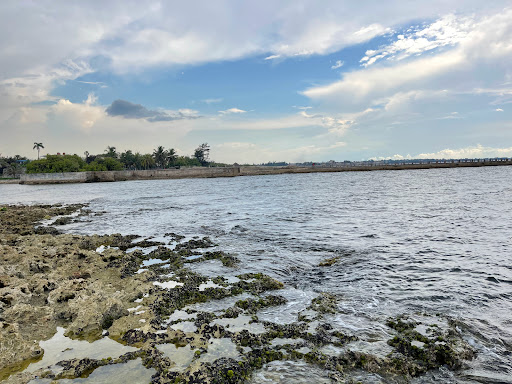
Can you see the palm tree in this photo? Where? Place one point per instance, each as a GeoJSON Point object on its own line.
{"type": "Point", "coordinates": [147, 161]}
{"type": "Point", "coordinates": [171, 157]}
{"type": "Point", "coordinates": [159, 155]}
{"type": "Point", "coordinates": [111, 152]}
{"type": "Point", "coordinates": [202, 153]}
{"type": "Point", "coordinates": [38, 146]}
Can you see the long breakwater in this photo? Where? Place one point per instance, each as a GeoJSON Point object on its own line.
{"type": "Point", "coordinates": [205, 172]}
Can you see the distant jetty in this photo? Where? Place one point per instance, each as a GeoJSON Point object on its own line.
{"type": "Point", "coordinates": [233, 171]}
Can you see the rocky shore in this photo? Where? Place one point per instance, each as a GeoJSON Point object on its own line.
{"type": "Point", "coordinates": [74, 306]}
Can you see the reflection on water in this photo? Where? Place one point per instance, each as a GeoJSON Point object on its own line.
{"type": "Point", "coordinates": [60, 347]}
{"type": "Point", "coordinates": [132, 372]}
{"type": "Point", "coordinates": [181, 356]}
{"type": "Point", "coordinates": [185, 326]}
{"type": "Point", "coordinates": [218, 348]}
{"type": "Point", "coordinates": [425, 241]}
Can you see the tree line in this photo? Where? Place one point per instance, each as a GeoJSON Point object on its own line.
{"type": "Point", "coordinates": [111, 160]}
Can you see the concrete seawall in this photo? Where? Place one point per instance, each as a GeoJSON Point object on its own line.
{"type": "Point", "coordinates": [153, 174]}
{"type": "Point", "coordinates": [198, 172]}
{"type": "Point", "coordinates": [53, 178]}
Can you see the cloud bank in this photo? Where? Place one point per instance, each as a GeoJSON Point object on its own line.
{"type": "Point", "coordinates": [475, 152]}
{"type": "Point", "coordinates": [127, 110]}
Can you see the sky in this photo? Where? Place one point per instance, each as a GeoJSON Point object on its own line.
{"type": "Point", "coordinates": [259, 81]}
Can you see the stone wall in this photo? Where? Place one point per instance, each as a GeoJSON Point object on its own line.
{"type": "Point", "coordinates": [53, 178]}
{"type": "Point", "coordinates": [153, 174]}
{"type": "Point", "coordinates": [199, 172]}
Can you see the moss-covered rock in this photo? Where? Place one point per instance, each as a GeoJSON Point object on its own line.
{"type": "Point", "coordinates": [324, 303]}
{"type": "Point", "coordinates": [329, 262]}
{"type": "Point", "coordinates": [251, 306]}
{"type": "Point", "coordinates": [433, 347]}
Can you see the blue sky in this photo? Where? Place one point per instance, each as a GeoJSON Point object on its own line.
{"type": "Point", "coordinates": [259, 81]}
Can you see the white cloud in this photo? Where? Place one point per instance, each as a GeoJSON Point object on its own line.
{"type": "Point", "coordinates": [499, 110]}
{"type": "Point", "coordinates": [231, 111]}
{"type": "Point", "coordinates": [449, 30]}
{"type": "Point", "coordinates": [481, 54]}
{"type": "Point", "coordinates": [82, 115]}
{"type": "Point", "coordinates": [142, 33]}
{"type": "Point", "coordinates": [478, 151]}
{"type": "Point", "coordinates": [338, 64]}
{"type": "Point", "coordinates": [472, 152]}
{"type": "Point", "coordinates": [35, 87]}
{"type": "Point", "coordinates": [338, 124]}
{"type": "Point", "coordinates": [283, 122]}
{"type": "Point", "coordinates": [45, 44]}
{"type": "Point", "coordinates": [212, 101]}
{"type": "Point", "coordinates": [372, 31]}
{"type": "Point", "coordinates": [377, 82]}
{"type": "Point", "coordinates": [453, 115]}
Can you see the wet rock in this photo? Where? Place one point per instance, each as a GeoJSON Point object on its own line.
{"type": "Point", "coordinates": [78, 368]}
{"type": "Point", "coordinates": [226, 259]}
{"type": "Point", "coordinates": [174, 237]}
{"type": "Point", "coordinates": [133, 337]}
{"type": "Point", "coordinates": [38, 267]}
{"type": "Point", "coordinates": [120, 241]}
{"type": "Point", "coordinates": [205, 242]}
{"type": "Point", "coordinates": [324, 303]}
{"type": "Point", "coordinates": [88, 243]}
{"type": "Point", "coordinates": [59, 279]}
{"type": "Point", "coordinates": [417, 352]}
{"type": "Point", "coordinates": [329, 262]}
{"type": "Point", "coordinates": [42, 230]}
{"type": "Point", "coordinates": [145, 244]}
{"type": "Point", "coordinates": [16, 352]}
{"type": "Point", "coordinates": [66, 291]}
{"type": "Point", "coordinates": [21, 220]}
{"type": "Point", "coordinates": [94, 312]}
{"type": "Point", "coordinates": [113, 312]}
{"type": "Point", "coordinates": [257, 283]}
{"type": "Point", "coordinates": [232, 312]}
{"type": "Point", "coordinates": [63, 220]}
{"type": "Point", "coordinates": [251, 306]}
{"type": "Point", "coordinates": [204, 318]}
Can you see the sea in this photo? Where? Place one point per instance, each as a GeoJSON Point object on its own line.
{"type": "Point", "coordinates": [434, 241]}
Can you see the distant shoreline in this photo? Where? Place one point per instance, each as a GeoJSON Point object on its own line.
{"type": "Point", "coordinates": [203, 172]}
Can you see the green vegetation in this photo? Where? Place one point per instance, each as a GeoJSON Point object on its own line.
{"type": "Point", "coordinates": [12, 167]}
{"type": "Point", "coordinates": [104, 164]}
{"type": "Point", "coordinates": [110, 160]}
{"type": "Point", "coordinates": [56, 163]}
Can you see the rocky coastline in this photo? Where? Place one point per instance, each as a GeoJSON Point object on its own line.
{"type": "Point", "coordinates": [144, 298]}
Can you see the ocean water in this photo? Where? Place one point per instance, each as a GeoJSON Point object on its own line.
{"type": "Point", "coordinates": [430, 241]}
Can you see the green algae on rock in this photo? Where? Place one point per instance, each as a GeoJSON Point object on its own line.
{"type": "Point", "coordinates": [427, 342]}
{"type": "Point", "coordinates": [97, 289]}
